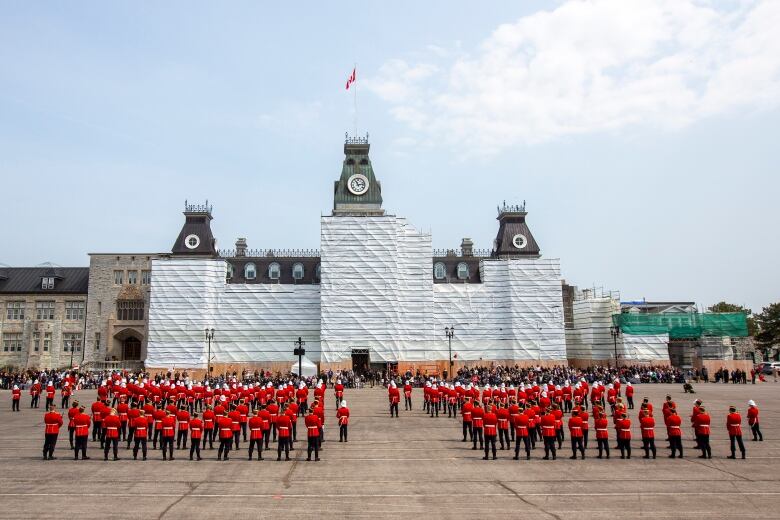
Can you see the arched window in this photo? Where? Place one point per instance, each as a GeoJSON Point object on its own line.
{"type": "Point", "coordinates": [439, 271]}
{"type": "Point", "coordinates": [297, 271]}
{"type": "Point", "coordinates": [229, 273]}
{"type": "Point", "coordinates": [463, 271]}
{"type": "Point", "coordinates": [250, 273]}
{"type": "Point", "coordinates": [317, 272]}
{"type": "Point", "coordinates": [274, 271]}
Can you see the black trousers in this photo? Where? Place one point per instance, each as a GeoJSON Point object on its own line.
{"type": "Point", "coordinates": [167, 446]}
{"type": "Point", "coordinates": [467, 431]}
{"type": "Point", "coordinates": [675, 443]}
{"type": "Point", "coordinates": [181, 439]}
{"type": "Point", "coordinates": [603, 446]}
{"type": "Point", "coordinates": [343, 432]}
{"type": "Point", "coordinates": [139, 442]}
{"type": "Point", "coordinates": [630, 402]}
{"type": "Point", "coordinates": [283, 445]}
{"type": "Point", "coordinates": [65, 403]}
{"type": "Point", "coordinates": [577, 444]}
{"type": "Point", "coordinates": [236, 438]}
{"type": "Point", "coordinates": [757, 435]}
{"type": "Point", "coordinates": [130, 433]}
{"type": "Point", "coordinates": [243, 431]}
{"type": "Point", "coordinates": [81, 445]}
{"type": "Point", "coordinates": [704, 445]}
{"type": "Point", "coordinates": [407, 403]}
{"type": "Point", "coordinates": [477, 435]}
{"type": "Point", "coordinates": [585, 438]}
{"type": "Point", "coordinates": [567, 406]}
{"type": "Point", "coordinates": [209, 436]}
{"type": "Point", "coordinates": [434, 409]}
{"type": "Point", "coordinates": [648, 445]}
{"type": "Point", "coordinates": [549, 447]}
{"type": "Point", "coordinates": [195, 448]}
{"type": "Point", "coordinates": [625, 448]}
{"type": "Point", "coordinates": [733, 439]}
{"type": "Point", "coordinates": [259, 444]}
{"type": "Point", "coordinates": [157, 436]}
{"type": "Point", "coordinates": [109, 443]}
{"type": "Point", "coordinates": [526, 443]}
{"type": "Point", "coordinates": [267, 437]}
{"type": "Point", "coordinates": [95, 431]}
{"type": "Point", "coordinates": [50, 441]}
{"type": "Point", "coordinates": [393, 409]}
{"type": "Point", "coordinates": [503, 435]}
{"type": "Point", "coordinates": [34, 401]}
{"type": "Point", "coordinates": [71, 432]}
{"type": "Point", "coordinates": [559, 436]}
{"type": "Point", "coordinates": [490, 442]}
{"type": "Point", "coordinates": [314, 445]}
{"type": "Point", "coordinates": [224, 448]}
{"type": "Point", "coordinates": [15, 405]}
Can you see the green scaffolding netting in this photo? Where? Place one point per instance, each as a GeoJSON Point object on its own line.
{"type": "Point", "coordinates": [683, 325]}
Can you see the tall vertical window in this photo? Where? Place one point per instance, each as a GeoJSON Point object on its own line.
{"type": "Point", "coordinates": [317, 272]}
{"type": "Point", "coordinates": [146, 277]}
{"type": "Point", "coordinates": [118, 277]}
{"type": "Point", "coordinates": [71, 342]}
{"type": "Point", "coordinates": [297, 271]}
{"type": "Point", "coordinates": [14, 311]}
{"type": "Point", "coordinates": [130, 310]}
{"type": "Point", "coordinates": [274, 271]}
{"type": "Point", "coordinates": [74, 311]}
{"type": "Point", "coordinates": [97, 341]}
{"type": "Point", "coordinates": [463, 271]}
{"type": "Point", "coordinates": [36, 341]}
{"type": "Point", "coordinates": [47, 283]}
{"type": "Point", "coordinates": [439, 271]}
{"type": "Point", "coordinates": [132, 277]}
{"type": "Point", "coordinates": [46, 341]}
{"type": "Point", "coordinates": [44, 310]}
{"type": "Point", "coordinates": [250, 273]}
{"type": "Point", "coordinates": [229, 271]}
{"type": "Point", "coordinates": [12, 342]}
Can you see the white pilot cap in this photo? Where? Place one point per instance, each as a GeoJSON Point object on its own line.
{"type": "Point", "coordinates": [343, 404]}
{"type": "Point", "coordinates": [16, 387]}
{"type": "Point", "coordinates": [751, 403]}
{"type": "Point", "coordinates": [628, 384]}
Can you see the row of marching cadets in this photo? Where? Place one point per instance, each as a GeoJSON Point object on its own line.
{"type": "Point", "coordinates": [533, 414]}
{"type": "Point", "coordinates": [36, 390]}
{"type": "Point", "coordinates": [257, 413]}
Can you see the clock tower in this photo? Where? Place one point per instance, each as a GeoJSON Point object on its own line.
{"type": "Point", "coordinates": [357, 192]}
{"type": "Point", "coordinates": [514, 239]}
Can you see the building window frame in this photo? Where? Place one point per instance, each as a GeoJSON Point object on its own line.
{"type": "Point", "coordinates": [130, 310]}
{"type": "Point", "coordinates": [45, 309]}
{"type": "Point", "coordinates": [250, 271]}
{"type": "Point", "coordinates": [15, 310]}
{"type": "Point", "coordinates": [12, 341]}
{"type": "Point", "coordinates": [274, 271]}
{"type": "Point", "coordinates": [47, 283]}
{"type": "Point", "coordinates": [132, 277]}
{"type": "Point", "coordinates": [298, 271]}
{"type": "Point", "coordinates": [439, 271]}
{"type": "Point", "coordinates": [71, 341]}
{"type": "Point", "coordinates": [146, 277]}
{"type": "Point", "coordinates": [463, 271]}
{"type": "Point", "coordinates": [46, 341]}
{"type": "Point", "coordinates": [119, 277]}
{"type": "Point", "coordinates": [74, 310]}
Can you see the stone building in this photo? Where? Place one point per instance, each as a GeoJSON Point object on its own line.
{"type": "Point", "coordinates": [116, 323]}
{"type": "Point", "coordinates": [43, 316]}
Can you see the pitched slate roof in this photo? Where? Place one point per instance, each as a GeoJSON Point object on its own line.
{"type": "Point", "coordinates": [27, 280]}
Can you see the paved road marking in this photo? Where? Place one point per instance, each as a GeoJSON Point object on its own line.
{"type": "Point", "coordinates": [391, 495]}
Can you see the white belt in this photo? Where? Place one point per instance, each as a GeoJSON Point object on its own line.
{"type": "Point", "coordinates": [255, 429]}
{"type": "Point", "coordinates": [283, 428]}
{"type": "Point", "coordinates": [111, 428]}
{"type": "Point", "coordinates": [734, 425]}
{"type": "Point", "coordinates": [625, 430]}
{"type": "Point", "coordinates": [576, 428]}
{"type": "Point", "coordinates": [601, 429]}
{"type": "Point", "coordinates": [225, 429]}
{"type": "Point", "coordinates": [140, 430]}
{"type": "Point", "coordinates": [313, 427]}
{"type": "Point", "coordinates": [196, 429]}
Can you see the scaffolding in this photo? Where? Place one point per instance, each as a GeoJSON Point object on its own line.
{"type": "Point", "coordinates": [691, 325]}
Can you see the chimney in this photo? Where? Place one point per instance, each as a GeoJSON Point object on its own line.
{"type": "Point", "coordinates": [467, 247]}
{"type": "Point", "coordinates": [241, 247]}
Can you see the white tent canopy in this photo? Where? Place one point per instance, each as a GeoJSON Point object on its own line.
{"type": "Point", "coordinates": [308, 368]}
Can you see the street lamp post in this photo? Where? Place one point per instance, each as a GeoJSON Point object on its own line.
{"type": "Point", "coordinates": [209, 337]}
{"type": "Point", "coordinates": [615, 331]}
{"type": "Point", "coordinates": [449, 332]}
{"type": "Point", "coordinates": [299, 351]}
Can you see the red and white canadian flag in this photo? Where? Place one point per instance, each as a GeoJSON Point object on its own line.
{"type": "Point", "coordinates": [351, 78]}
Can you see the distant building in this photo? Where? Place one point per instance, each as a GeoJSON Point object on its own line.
{"type": "Point", "coordinates": [43, 316]}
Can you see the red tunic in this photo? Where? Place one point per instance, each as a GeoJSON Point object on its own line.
{"type": "Point", "coordinates": [81, 423]}
{"type": "Point", "coordinates": [548, 425]}
{"type": "Point", "coordinates": [52, 422]}
{"type": "Point", "coordinates": [520, 422]}
{"type": "Point", "coordinates": [647, 424]}
{"type": "Point", "coordinates": [624, 429]}
{"type": "Point", "coordinates": [575, 427]}
{"type": "Point", "coordinates": [466, 411]}
{"type": "Point", "coordinates": [140, 424]}
{"type": "Point", "coordinates": [491, 421]}
{"type": "Point", "coordinates": [283, 425]}
{"type": "Point", "coordinates": [342, 414]}
{"type": "Point", "coordinates": [701, 423]}
{"type": "Point", "coordinates": [602, 427]}
{"type": "Point", "coordinates": [255, 425]}
{"type": "Point", "coordinates": [477, 415]}
{"type": "Point", "coordinates": [673, 423]}
{"type": "Point", "coordinates": [734, 424]}
{"type": "Point", "coordinates": [225, 425]}
{"type": "Point", "coordinates": [312, 425]}
{"type": "Point", "coordinates": [168, 426]}
{"type": "Point", "coordinates": [112, 423]}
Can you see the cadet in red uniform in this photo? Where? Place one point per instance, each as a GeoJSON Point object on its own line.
{"type": "Point", "coordinates": [490, 422]}
{"type": "Point", "coordinates": [183, 420]}
{"type": "Point", "coordinates": [52, 422]}
{"type": "Point", "coordinates": [313, 432]}
{"type": "Point", "coordinates": [73, 411]}
{"type": "Point", "coordinates": [520, 425]}
{"type": "Point", "coordinates": [81, 424]}
{"type": "Point", "coordinates": [549, 435]}
{"type": "Point", "coordinates": [673, 430]}
{"type": "Point", "coordinates": [283, 427]}
{"type": "Point", "coordinates": [196, 434]}
{"type": "Point", "coordinates": [503, 426]}
{"type": "Point", "coordinates": [734, 426]}
{"type": "Point", "coordinates": [407, 396]}
{"type": "Point", "coordinates": [477, 415]}
{"type": "Point", "coordinates": [256, 435]}
{"type": "Point", "coordinates": [97, 420]}
{"type": "Point", "coordinates": [752, 417]}
{"type": "Point", "coordinates": [168, 433]}
{"type": "Point", "coordinates": [465, 411]}
{"type": "Point", "coordinates": [394, 396]}
{"type": "Point", "coordinates": [243, 417]}
{"type": "Point", "coordinates": [342, 414]}
{"type": "Point", "coordinates": [630, 396]}
{"type": "Point", "coordinates": [140, 433]}
{"type": "Point", "coordinates": [647, 425]}
{"type": "Point", "coordinates": [338, 389]}
{"type": "Point", "coordinates": [601, 425]}
{"type": "Point", "coordinates": [235, 426]}
{"type": "Point", "coordinates": [122, 408]}
{"type": "Point", "coordinates": [575, 431]}
{"type": "Point", "coordinates": [112, 425]}
{"type": "Point", "coordinates": [623, 426]}
{"type": "Point", "coordinates": [65, 392]}
{"type": "Point", "coordinates": [701, 424]}
{"type": "Point", "coordinates": [158, 417]}
{"type": "Point", "coordinates": [209, 426]}
{"type": "Point", "coordinates": [225, 426]}
{"type": "Point", "coordinates": [16, 396]}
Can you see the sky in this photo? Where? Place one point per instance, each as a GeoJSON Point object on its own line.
{"type": "Point", "coordinates": [643, 135]}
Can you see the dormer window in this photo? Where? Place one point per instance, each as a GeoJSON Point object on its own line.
{"type": "Point", "coordinates": [463, 271]}
{"type": "Point", "coordinates": [297, 271]}
{"type": "Point", "coordinates": [250, 273]}
{"type": "Point", "coordinates": [317, 272]}
{"type": "Point", "coordinates": [47, 283]}
{"type": "Point", "coordinates": [229, 273]}
{"type": "Point", "coordinates": [439, 271]}
{"type": "Point", "coordinates": [274, 271]}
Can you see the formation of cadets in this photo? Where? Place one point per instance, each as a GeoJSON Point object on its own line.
{"type": "Point", "coordinates": [533, 414]}
{"type": "Point", "coordinates": [138, 412]}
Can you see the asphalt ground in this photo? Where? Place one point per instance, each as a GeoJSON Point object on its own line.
{"type": "Point", "coordinates": [413, 466]}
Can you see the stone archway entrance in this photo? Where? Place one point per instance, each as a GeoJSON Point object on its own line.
{"type": "Point", "coordinates": [131, 349]}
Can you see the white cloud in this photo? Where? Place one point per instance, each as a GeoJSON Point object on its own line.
{"type": "Point", "coordinates": [590, 66]}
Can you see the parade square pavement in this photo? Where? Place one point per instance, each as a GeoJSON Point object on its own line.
{"type": "Point", "coordinates": [414, 466]}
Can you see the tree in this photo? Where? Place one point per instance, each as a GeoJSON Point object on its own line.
{"type": "Point", "coordinates": [730, 307]}
{"type": "Point", "coordinates": [769, 325]}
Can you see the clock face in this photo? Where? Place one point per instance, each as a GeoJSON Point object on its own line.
{"type": "Point", "coordinates": [519, 241]}
{"type": "Point", "coordinates": [192, 241]}
{"type": "Point", "coordinates": [357, 184]}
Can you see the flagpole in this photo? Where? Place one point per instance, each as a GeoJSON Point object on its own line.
{"type": "Point", "coordinates": [354, 84]}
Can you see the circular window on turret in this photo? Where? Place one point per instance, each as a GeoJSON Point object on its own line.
{"type": "Point", "coordinates": [192, 241]}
